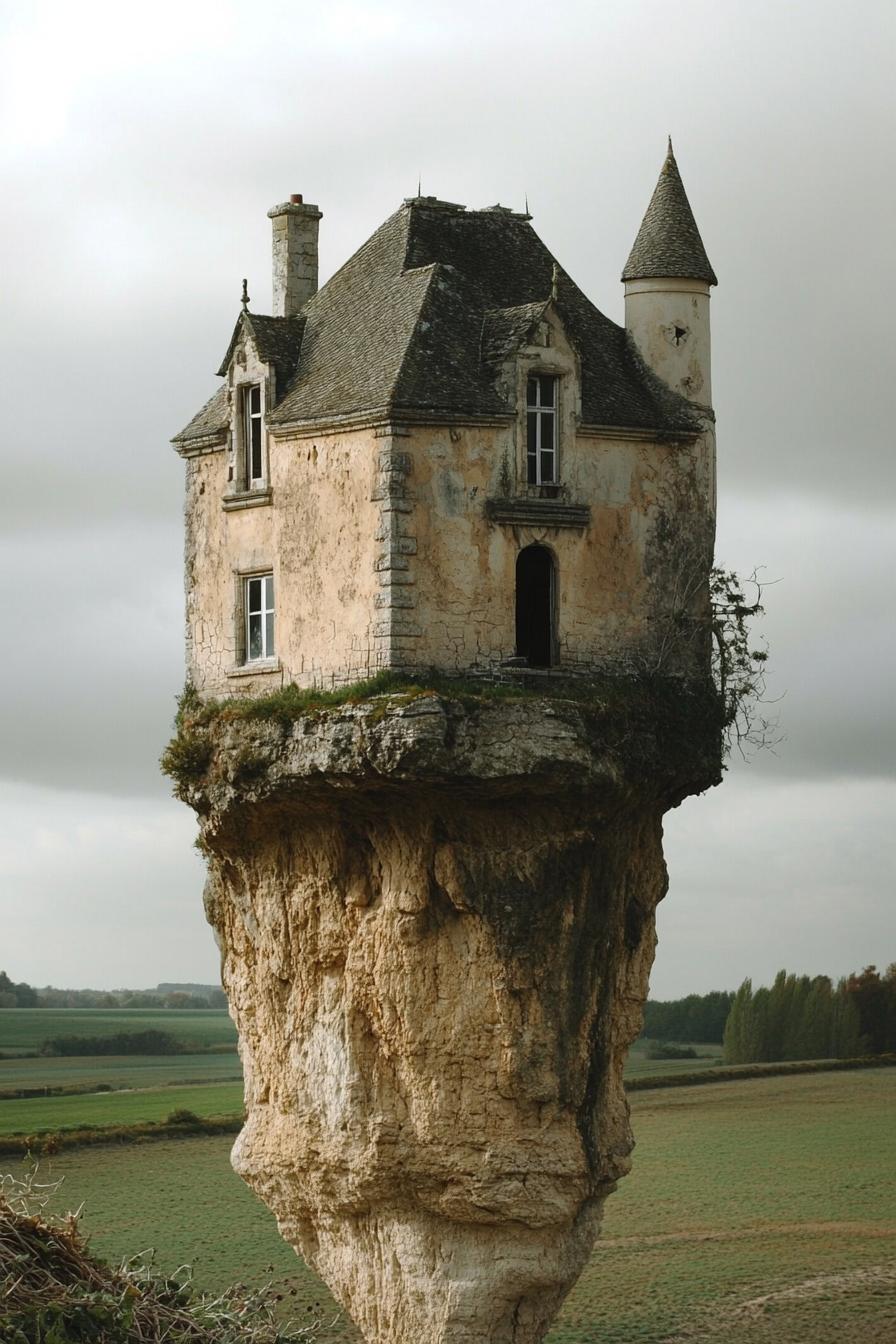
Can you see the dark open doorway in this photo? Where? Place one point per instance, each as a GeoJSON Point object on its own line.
{"type": "Point", "coordinates": [535, 606]}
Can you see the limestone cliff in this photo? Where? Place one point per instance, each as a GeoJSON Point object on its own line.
{"type": "Point", "coordinates": [436, 919]}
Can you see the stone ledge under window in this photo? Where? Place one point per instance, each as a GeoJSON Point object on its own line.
{"type": "Point", "coordinates": [537, 513]}
{"type": "Point", "coordinates": [246, 499]}
{"type": "Point", "coordinates": [259, 668]}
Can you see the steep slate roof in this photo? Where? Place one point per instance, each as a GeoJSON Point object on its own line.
{"type": "Point", "coordinates": [419, 318]}
{"type": "Point", "coordinates": [409, 323]}
{"type": "Point", "coordinates": [669, 242]}
{"type": "Point", "coordinates": [214, 418]}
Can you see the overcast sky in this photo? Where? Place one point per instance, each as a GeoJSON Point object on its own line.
{"type": "Point", "coordinates": [142, 148]}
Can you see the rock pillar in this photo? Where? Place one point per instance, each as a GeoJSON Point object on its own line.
{"type": "Point", "coordinates": [437, 921]}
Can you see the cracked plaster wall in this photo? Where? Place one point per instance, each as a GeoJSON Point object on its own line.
{"type": "Point", "coordinates": [383, 556]}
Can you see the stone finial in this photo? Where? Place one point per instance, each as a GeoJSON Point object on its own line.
{"type": "Point", "coordinates": [245, 298]}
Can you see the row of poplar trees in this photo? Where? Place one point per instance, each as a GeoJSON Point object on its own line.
{"type": "Point", "coordinates": [808, 1017]}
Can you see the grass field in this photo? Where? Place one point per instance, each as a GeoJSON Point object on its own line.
{"type": "Point", "coordinates": [147, 1070]}
{"type": "Point", "coordinates": [35, 1115]}
{"type": "Point", "coordinates": [28, 1028]}
{"type": "Point", "coordinates": [762, 1212]}
{"type": "Point", "coordinates": [119, 1070]}
{"type": "Point", "coordinates": [637, 1065]}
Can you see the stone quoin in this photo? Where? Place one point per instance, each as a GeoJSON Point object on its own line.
{"type": "Point", "coordinates": [435, 906]}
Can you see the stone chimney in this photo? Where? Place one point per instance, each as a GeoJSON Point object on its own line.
{"type": "Point", "coordinates": [295, 226]}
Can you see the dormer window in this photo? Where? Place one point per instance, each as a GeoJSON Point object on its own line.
{"type": "Point", "coordinates": [541, 429]}
{"type": "Point", "coordinates": [253, 438]}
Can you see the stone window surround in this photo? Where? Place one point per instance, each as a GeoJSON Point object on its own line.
{"type": "Point", "coordinates": [250, 420]}
{"type": "Point", "coordinates": [247, 499]}
{"type": "Point", "coordinates": [556, 361]}
{"type": "Point", "coordinates": [242, 493]}
{"type": "Point", "coordinates": [242, 665]}
{"type": "Point", "coordinates": [544, 416]}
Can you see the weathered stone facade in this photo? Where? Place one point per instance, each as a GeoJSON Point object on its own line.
{"type": "Point", "coordinates": [392, 532]}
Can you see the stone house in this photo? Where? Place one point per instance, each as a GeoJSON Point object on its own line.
{"type": "Point", "coordinates": [448, 458]}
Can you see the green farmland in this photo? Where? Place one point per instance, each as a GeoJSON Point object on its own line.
{"type": "Point", "coordinates": [24, 1029]}
{"type": "Point", "coordinates": [29, 1071]}
{"type": "Point", "coordinates": [637, 1065]}
{"type": "Point", "coordinates": [761, 1211]}
{"type": "Point", "coordinates": [36, 1115]}
{"type": "Point", "coordinates": [118, 1070]}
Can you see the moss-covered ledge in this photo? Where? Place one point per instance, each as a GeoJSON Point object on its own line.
{"type": "Point", "coordinates": [662, 735]}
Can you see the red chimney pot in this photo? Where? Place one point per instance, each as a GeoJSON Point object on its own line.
{"type": "Point", "coordinates": [296, 198]}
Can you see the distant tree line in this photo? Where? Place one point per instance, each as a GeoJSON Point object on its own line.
{"type": "Point", "coordinates": [808, 1017]}
{"type": "Point", "coordinates": [16, 996]}
{"type": "Point", "coordinates": [23, 995]}
{"type": "Point", "coordinates": [699, 1017]}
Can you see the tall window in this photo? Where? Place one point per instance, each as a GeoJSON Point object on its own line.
{"type": "Point", "coordinates": [541, 429]}
{"type": "Point", "coordinates": [259, 603]}
{"type": "Point", "coordinates": [252, 435]}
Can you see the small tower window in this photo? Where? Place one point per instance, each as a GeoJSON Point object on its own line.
{"type": "Point", "coordinates": [535, 587]}
{"type": "Point", "coordinates": [252, 435]}
{"type": "Point", "coordinates": [541, 430]}
{"type": "Point", "coordinates": [259, 604]}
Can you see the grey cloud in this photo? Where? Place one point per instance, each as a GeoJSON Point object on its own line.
{"type": "Point", "coordinates": [134, 219]}
{"type": "Point", "coordinates": [102, 894]}
{"type": "Point", "coordinates": [88, 689]}
{"type": "Point", "coordinates": [766, 875]}
{"type": "Point", "coordinates": [832, 646]}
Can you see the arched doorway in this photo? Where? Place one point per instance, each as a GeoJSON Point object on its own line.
{"type": "Point", "coordinates": [535, 606]}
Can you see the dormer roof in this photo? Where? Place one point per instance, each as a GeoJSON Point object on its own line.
{"type": "Point", "coordinates": [668, 244]}
{"type": "Point", "coordinates": [278, 341]}
{"type": "Point", "coordinates": [504, 330]}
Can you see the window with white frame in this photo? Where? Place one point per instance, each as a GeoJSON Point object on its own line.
{"type": "Point", "coordinates": [258, 603]}
{"type": "Point", "coordinates": [541, 429]}
{"type": "Point", "coordinates": [253, 436]}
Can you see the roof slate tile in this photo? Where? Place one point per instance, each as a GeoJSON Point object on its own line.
{"type": "Point", "coordinates": [417, 320]}
{"type": "Point", "coordinates": [668, 241]}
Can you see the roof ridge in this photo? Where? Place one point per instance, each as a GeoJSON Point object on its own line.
{"type": "Point", "coordinates": [432, 267]}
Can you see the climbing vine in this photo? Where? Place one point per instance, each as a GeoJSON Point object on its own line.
{"type": "Point", "coordinates": [739, 661]}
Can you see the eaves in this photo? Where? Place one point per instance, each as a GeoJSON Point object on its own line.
{"type": "Point", "coordinates": [204, 443]}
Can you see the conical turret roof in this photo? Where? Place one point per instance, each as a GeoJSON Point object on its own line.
{"type": "Point", "coordinates": [668, 241]}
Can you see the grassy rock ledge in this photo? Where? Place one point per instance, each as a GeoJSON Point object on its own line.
{"type": "Point", "coordinates": [659, 734]}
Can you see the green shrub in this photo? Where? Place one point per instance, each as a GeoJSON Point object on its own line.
{"type": "Point", "coordinates": [186, 757]}
{"type": "Point", "coordinates": [665, 1051]}
{"type": "Point", "coordinates": [182, 1117]}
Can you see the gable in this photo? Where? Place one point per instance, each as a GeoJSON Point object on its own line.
{"type": "Point", "coordinates": [276, 340]}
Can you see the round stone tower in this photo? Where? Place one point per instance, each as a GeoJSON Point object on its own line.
{"type": "Point", "coordinates": [667, 279]}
